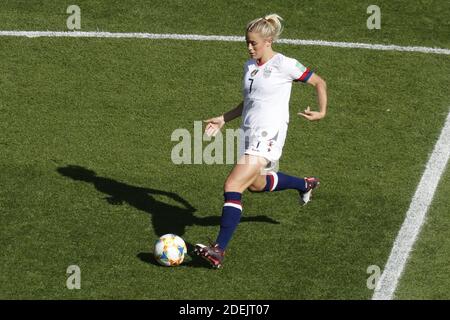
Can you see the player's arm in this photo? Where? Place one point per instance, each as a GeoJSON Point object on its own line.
{"type": "Point", "coordinates": [321, 91]}
{"type": "Point", "coordinates": [234, 113]}
{"type": "Point", "coordinates": [215, 124]}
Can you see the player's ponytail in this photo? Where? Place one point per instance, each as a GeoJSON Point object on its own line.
{"type": "Point", "coordinates": [269, 27]}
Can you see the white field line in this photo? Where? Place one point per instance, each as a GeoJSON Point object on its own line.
{"type": "Point", "coordinates": [415, 217]}
{"type": "Point", "coordinates": [197, 37]}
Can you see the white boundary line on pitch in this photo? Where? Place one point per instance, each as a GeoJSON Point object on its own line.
{"type": "Point", "coordinates": [197, 37]}
{"type": "Point", "coordinates": [415, 217]}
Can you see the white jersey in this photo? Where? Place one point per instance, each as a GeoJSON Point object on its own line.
{"type": "Point", "coordinates": [267, 90]}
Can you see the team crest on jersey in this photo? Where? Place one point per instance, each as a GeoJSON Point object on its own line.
{"type": "Point", "coordinates": [254, 72]}
{"type": "Point", "coordinates": [267, 72]}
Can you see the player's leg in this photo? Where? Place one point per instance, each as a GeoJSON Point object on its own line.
{"type": "Point", "coordinates": [258, 184]}
{"type": "Point", "coordinates": [277, 181]}
{"type": "Point", "coordinates": [271, 149]}
{"type": "Point", "coordinates": [240, 178]}
{"type": "Point", "coordinates": [247, 170]}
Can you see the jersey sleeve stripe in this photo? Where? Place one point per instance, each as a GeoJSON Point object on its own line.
{"type": "Point", "coordinates": [305, 76]}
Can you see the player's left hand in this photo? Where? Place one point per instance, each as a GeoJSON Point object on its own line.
{"type": "Point", "coordinates": [311, 115]}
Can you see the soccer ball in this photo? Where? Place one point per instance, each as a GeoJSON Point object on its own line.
{"type": "Point", "coordinates": [170, 250]}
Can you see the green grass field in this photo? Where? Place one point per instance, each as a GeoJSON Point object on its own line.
{"type": "Point", "coordinates": [86, 176]}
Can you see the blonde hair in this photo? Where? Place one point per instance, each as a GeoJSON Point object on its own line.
{"type": "Point", "coordinates": [269, 26]}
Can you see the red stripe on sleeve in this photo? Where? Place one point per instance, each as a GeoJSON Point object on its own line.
{"type": "Point", "coordinates": [304, 75]}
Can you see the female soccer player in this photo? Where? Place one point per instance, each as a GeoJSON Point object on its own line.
{"type": "Point", "coordinates": [267, 83]}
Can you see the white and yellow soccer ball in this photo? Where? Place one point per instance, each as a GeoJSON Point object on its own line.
{"type": "Point", "coordinates": [170, 250]}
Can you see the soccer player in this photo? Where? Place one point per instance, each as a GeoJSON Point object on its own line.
{"type": "Point", "coordinates": [267, 83]}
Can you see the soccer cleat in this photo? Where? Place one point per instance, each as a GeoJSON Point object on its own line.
{"type": "Point", "coordinates": [311, 183]}
{"type": "Point", "coordinates": [213, 254]}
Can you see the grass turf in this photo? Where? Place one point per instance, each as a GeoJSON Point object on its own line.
{"type": "Point", "coordinates": [419, 22]}
{"type": "Point", "coordinates": [426, 276]}
{"type": "Point", "coordinates": [110, 106]}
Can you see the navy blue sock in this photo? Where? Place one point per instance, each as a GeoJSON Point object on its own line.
{"type": "Point", "coordinates": [231, 215]}
{"type": "Point", "coordinates": [276, 181]}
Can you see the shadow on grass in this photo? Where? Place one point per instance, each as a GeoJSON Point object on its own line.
{"type": "Point", "coordinates": [165, 218]}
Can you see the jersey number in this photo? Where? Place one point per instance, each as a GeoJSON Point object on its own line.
{"type": "Point", "coordinates": [251, 84]}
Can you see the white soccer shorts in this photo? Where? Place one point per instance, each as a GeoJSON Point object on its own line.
{"type": "Point", "coordinates": [264, 143]}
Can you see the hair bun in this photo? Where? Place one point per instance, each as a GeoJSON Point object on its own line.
{"type": "Point", "coordinates": [269, 26]}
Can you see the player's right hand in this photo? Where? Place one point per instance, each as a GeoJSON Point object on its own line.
{"type": "Point", "coordinates": [214, 125]}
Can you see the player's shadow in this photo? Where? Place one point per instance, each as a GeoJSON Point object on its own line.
{"type": "Point", "coordinates": [165, 217]}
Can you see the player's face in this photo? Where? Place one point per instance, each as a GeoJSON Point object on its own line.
{"type": "Point", "coordinates": [257, 45]}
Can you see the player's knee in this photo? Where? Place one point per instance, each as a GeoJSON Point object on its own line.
{"type": "Point", "coordinates": [231, 185]}
{"type": "Point", "coordinates": [254, 188]}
